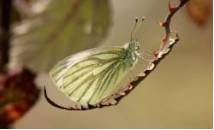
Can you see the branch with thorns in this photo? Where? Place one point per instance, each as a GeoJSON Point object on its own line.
{"type": "Point", "coordinates": [166, 46]}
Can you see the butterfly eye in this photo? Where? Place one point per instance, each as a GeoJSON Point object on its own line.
{"type": "Point", "coordinates": [137, 47]}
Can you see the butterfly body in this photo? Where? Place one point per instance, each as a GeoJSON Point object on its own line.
{"type": "Point", "coordinates": [89, 77]}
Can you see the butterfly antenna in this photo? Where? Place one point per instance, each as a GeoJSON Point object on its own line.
{"type": "Point", "coordinates": [134, 28]}
{"type": "Point", "coordinates": [142, 20]}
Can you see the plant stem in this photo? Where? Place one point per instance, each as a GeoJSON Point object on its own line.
{"type": "Point", "coordinates": [5, 22]}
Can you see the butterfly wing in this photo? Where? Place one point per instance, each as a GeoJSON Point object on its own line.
{"type": "Point", "coordinates": [90, 76]}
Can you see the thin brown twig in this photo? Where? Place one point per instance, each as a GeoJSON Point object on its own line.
{"type": "Point", "coordinates": [166, 46]}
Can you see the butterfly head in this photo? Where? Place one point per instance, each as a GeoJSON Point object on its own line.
{"type": "Point", "coordinates": [134, 46]}
{"type": "Point", "coordinates": [132, 51]}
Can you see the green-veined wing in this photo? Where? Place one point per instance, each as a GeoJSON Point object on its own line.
{"type": "Point", "coordinates": [90, 76]}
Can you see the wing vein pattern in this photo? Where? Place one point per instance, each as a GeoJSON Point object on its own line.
{"type": "Point", "coordinates": [90, 78]}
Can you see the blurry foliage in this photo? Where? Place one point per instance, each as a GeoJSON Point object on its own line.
{"type": "Point", "coordinates": [51, 30]}
{"type": "Point", "coordinates": [5, 20]}
{"type": "Point", "coordinates": [35, 34]}
{"type": "Point", "coordinates": [18, 93]}
{"type": "Point", "coordinates": [200, 11]}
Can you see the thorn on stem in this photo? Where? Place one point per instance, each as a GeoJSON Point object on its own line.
{"type": "Point", "coordinates": [164, 39]}
{"type": "Point", "coordinates": [170, 7]}
{"type": "Point", "coordinates": [162, 24]}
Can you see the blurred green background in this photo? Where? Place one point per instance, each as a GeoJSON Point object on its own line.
{"type": "Point", "coordinates": [178, 94]}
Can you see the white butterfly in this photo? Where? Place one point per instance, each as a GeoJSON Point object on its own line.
{"type": "Point", "coordinates": [90, 77]}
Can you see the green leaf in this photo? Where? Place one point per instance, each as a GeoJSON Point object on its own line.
{"type": "Point", "coordinates": [61, 29]}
